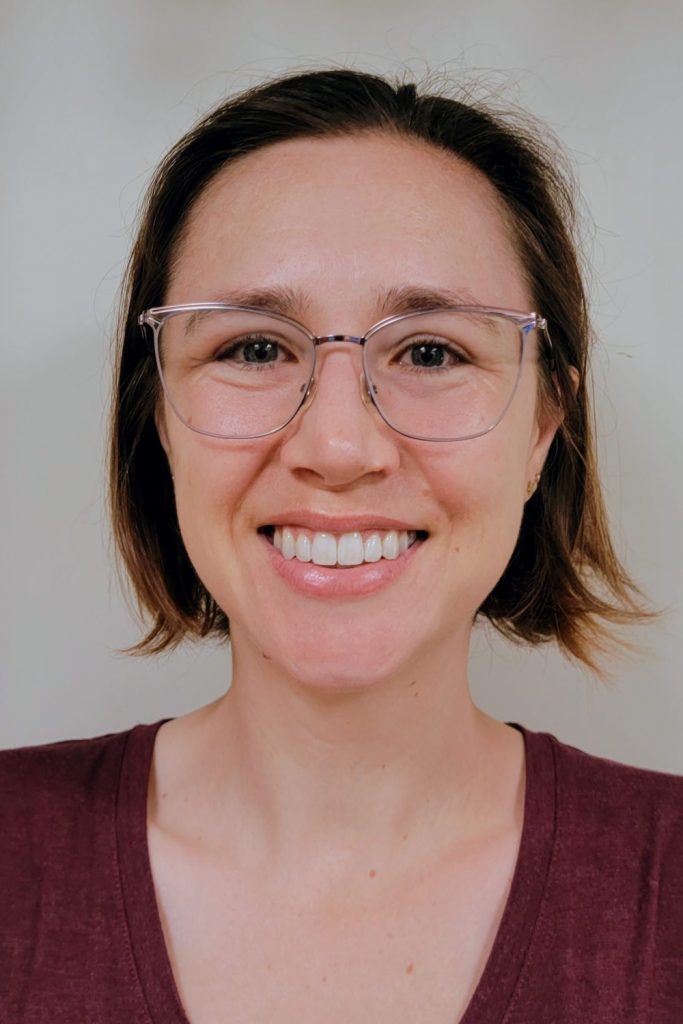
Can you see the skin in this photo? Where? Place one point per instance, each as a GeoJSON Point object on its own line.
{"type": "Point", "coordinates": [349, 735]}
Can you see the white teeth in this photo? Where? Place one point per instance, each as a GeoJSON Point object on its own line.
{"type": "Point", "coordinates": [303, 548]}
{"type": "Point", "coordinates": [350, 549]}
{"type": "Point", "coordinates": [288, 547]}
{"type": "Point", "coordinates": [324, 549]}
{"type": "Point", "coordinates": [372, 548]}
{"type": "Point", "coordinates": [346, 549]}
{"type": "Point", "coordinates": [390, 545]}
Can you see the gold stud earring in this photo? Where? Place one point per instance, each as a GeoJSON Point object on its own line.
{"type": "Point", "coordinates": [532, 485]}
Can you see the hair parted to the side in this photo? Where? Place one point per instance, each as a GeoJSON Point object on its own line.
{"type": "Point", "coordinates": [564, 581]}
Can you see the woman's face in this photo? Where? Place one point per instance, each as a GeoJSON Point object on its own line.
{"type": "Point", "coordinates": [343, 222]}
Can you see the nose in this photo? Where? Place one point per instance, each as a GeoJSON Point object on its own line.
{"type": "Point", "coordinates": [338, 435]}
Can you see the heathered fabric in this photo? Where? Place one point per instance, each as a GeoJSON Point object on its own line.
{"type": "Point", "coordinates": [592, 932]}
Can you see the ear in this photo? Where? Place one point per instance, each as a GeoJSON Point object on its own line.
{"type": "Point", "coordinates": [549, 419]}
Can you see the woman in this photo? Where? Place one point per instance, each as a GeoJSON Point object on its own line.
{"type": "Point", "coordinates": [351, 416]}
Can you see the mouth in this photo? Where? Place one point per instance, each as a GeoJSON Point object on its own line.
{"type": "Point", "coordinates": [340, 550]}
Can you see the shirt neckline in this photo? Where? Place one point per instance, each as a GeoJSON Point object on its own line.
{"type": "Point", "coordinates": [511, 945]}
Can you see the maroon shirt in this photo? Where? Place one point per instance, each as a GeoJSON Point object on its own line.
{"type": "Point", "coordinates": [592, 932]}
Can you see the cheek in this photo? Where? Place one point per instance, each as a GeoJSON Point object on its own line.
{"type": "Point", "coordinates": [482, 477]}
{"type": "Point", "coordinates": [480, 492]}
{"type": "Point", "coordinates": [211, 479]}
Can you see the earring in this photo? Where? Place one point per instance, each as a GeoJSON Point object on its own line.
{"type": "Point", "coordinates": [532, 485]}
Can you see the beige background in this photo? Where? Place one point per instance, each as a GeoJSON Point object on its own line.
{"type": "Point", "coordinates": [93, 94]}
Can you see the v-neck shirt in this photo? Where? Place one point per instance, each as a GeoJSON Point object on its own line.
{"type": "Point", "coordinates": [592, 929]}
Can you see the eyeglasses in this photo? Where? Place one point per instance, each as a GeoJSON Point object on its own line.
{"type": "Point", "coordinates": [435, 375]}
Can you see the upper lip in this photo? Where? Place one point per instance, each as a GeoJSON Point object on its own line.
{"type": "Point", "coordinates": [319, 522]}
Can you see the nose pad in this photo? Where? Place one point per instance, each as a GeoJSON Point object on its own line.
{"type": "Point", "coordinates": [365, 393]}
{"type": "Point", "coordinates": [368, 390]}
{"type": "Point", "coordinates": [309, 396]}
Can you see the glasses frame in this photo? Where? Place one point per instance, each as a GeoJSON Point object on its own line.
{"type": "Point", "coordinates": [156, 316]}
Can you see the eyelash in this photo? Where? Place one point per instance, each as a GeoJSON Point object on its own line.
{"type": "Point", "coordinates": [232, 349]}
{"type": "Point", "coordinates": [262, 339]}
{"type": "Point", "coordinates": [452, 352]}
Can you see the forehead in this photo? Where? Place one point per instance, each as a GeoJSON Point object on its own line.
{"type": "Point", "coordinates": [347, 218]}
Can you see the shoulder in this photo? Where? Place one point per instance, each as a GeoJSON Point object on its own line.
{"type": "Point", "coordinates": [51, 769]}
{"type": "Point", "coordinates": [613, 893]}
{"type": "Point", "coordinates": [59, 866]}
{"type": "Point", "coordinates": [623, 822]}
{"type": "Point", "coordinates": [57, 811]}
{"type": "Point", "coordinates": [604, 791]}
{"type": "Point", "coordinates": [53, 792]}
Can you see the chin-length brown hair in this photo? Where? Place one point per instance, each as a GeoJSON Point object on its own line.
{"type": "Point", "coordinates": [564, 581]}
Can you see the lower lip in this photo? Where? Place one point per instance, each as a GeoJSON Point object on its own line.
{"type": "Point", "coordinates": [328, 581]}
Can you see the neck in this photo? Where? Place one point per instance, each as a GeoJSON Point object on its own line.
{"type": "Point", "coordinates": [392, 772]}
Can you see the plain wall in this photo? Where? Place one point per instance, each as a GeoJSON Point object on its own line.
{"type": "Point", "coordinates": [93, 94]}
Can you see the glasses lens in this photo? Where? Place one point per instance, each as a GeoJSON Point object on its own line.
{"type": "Point", "coordinates": [444, 375]}
{"type": "Point", "coordinates": [234, 373]}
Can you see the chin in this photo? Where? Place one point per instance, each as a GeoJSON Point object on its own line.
{"type": "Point", "coordinates": [347, 669]}
{"type": "Point", "coordinates": [342, 662]}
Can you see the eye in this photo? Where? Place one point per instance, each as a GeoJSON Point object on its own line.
{"type": "Point", "coordinates": [431, 354]}
{"type": "Point", "coordinates": [427, 355]}
{"type": "Point", "coordinates": [258, 351]}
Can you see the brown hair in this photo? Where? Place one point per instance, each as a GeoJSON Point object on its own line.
{"type": "Point", "coordinates": [564, 581]}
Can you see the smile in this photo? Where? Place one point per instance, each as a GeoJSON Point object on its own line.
{"type": "Point", "coordinates": [343, 549]}
{"type": "Point", "coordinates": [348, 563]}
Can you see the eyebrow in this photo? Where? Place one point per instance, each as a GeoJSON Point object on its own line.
{"type": "Point", "coordinates": [294, 303]}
